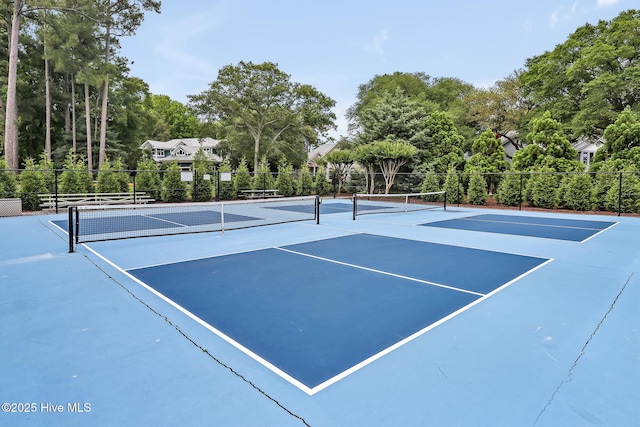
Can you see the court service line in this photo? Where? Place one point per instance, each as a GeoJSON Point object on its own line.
{"type": "Point", "coordinates": [600, 232]}
{"type": "Point", "coordinates": [164, 220]}
{"type": "Point", "coordinates": [399, 276]}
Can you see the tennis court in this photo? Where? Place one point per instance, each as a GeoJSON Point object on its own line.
{"type": "Point", "coordinates": [322, 321]}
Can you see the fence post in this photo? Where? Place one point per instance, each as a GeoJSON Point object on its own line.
{"type": "Point", "coordinates": [458, 191]}
{"type": "Point", "coordinates": [620, 194]}
{"type": "Point", "coordinates": [135, 172]}
{"type": "Point", "coordinates": [55, 187]}
{"type": "Point", "coordinates": [520, 195]}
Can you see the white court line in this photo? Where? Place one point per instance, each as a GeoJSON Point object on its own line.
{"type": "Point", "coordinates": [599, 232]}
{"type": "Point", "coordinates": [381, 272]}
{"type": "Point", "coordinates": [470, 218]}
{"type": "Point", "coordinates": [313, 390]}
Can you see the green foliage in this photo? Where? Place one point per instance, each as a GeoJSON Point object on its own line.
{"type": "Point", "coordinates": [305, 182]}
{"type": "Point", "coordinates": [542, 189]}
{"type": "Point", "coordinates": [628, 203]}
{"type": "Point", "coordinates": [322, 184]}
{"type": "Point", "coordinates": [148, 178]}
{"type": "Point", "coordinates": [622, 139]}
{"type": "Point", "coordinates": [173, 188]}
{"type": "Point", "coordinates": [48, 173]}
{"type": "Point", "coordinates": [112, 179]}
{"type": "Point", "coordinates": [75, 178]}
{"type": "Point", "coordinates": [286, 181]}
{"type": "Point", "coordinates": [202, 185]}
{"type": "Point", "coordinates": [477, 191]}
{"type": "Point", "coordinates": [430, 184]}
{"type": "Point", "coordinates": [227, 188]}
{"type": "Point", "coordinates": [607, 177]}
{"type": "Point", "coordinates": [488, 158]}
{"type": "Point", "coordinates": [441, 146]}
{"type": "Point", "coordinates": [8, 181]}
{"type": "Point", "coordinates": [356, 183]}
{"type": "Point", "coordinates": [508, 192]}
{"type": "Point", "coordinates": [455, 192]}
{"type": "Point", "coordinates": [32, 183]}
{"type": "Point", "coordinates": [587, 80]}
{"type": "Point", "coordinates": [389, 156]}
{"type": "Point", "coordinates": [263, 179]}
{"type": "Point", "coordinates": [242, 177]}
{"type": "Point", "coordinates": [262, 111]}
{"type": "Point", "coordinates": [576, 192]}
{"type": "Point", "coordinates": [340, 163]}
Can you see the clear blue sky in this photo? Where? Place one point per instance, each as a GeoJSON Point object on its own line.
{"type": "Point", "coordinates": [338, 45]}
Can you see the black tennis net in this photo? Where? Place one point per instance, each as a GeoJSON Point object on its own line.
{"type": "Point", "coordinates": [364, 204]}
{"type": "Point", "coordinates": [98, 223]}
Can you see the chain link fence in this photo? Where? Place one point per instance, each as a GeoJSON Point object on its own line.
{"type": "Point", "coordinates": [53, 190]}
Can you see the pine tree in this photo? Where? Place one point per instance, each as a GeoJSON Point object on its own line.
{"type": "Point", "coordinates": [173, 188]}
{"type": "Point", "coordinates": [477, 192]}
{"type": "Point", "coordinates": [31, 184]}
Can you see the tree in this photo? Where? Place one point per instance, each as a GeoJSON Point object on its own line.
{"type": "Point", "coordinates": [305, 182]}
{"type": "Point", "coordinates": [11, 115]}
{"type": "Point", "coordinates": [75, 178]}
{"type": "Point", "coordinates": [31, 184]}
{"type": "Point", "coordinates": [339, 163]}
{"type": "Point", "coordinates": [118, 18]}
{"type": "Point", "coordinates": [365, 155]}
{"type": "Point", "coordinates": [286, 180]}
{"type": "Point", "coordinates": [441, 145]}
{"type": "Point", "coordinates": [263, 179]}
{"type": "Point", "coordinates": [242, 178]}
{"type": "Point", "coordinates": [576, 192]}
{"type": "Point", "coordinates": [622, 139]}
{"type": "Point", "coordinates": [488, 158]}
{"type": "Point", "coordinates": [548, 148]}
{"type": "Point", "coordinates": [260, 103]}
{"type": "Point", "coordinates": [321, 184]}
{"type": "Point", "coordinates": [477, 191]}
{"type": "Point", "coordinates": [390, 156]}
{"type": "Point", "coordinates": [502, 107]}
{"type": "Point", "coordinates": [202, 188]}
{"type": "Point", "coordinates": [173, 188]}
{"type": "Point", "coordinates": [178, 120]}
{"type": "Point", "coordinates": [148, 178]}
{"type": "Point", "coordinates": [590, 78]}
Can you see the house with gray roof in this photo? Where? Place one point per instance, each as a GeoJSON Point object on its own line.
{"type": "Point", "coordinates": [182, 150]}
{"type": "Point", "coordinates": [316, 154]}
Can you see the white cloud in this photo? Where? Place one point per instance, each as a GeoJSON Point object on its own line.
{"type": "Point", "coordinates": [376, 45]}
{"type": "Point", "coordinates": [553, 19]}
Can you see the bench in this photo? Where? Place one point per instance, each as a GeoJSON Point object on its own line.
{"type": "Point", "coordinates": [259, 194]}
{"type": "Point", "coordinates": [48, 201]}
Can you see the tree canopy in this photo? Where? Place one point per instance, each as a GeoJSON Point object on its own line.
{"type": "Point", "coordinates": [259, 103]}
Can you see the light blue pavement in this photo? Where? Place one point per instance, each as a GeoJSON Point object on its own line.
{"type": "Point", "coordinates": [560, 346]}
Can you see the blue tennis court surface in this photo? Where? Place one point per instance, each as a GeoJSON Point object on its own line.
{"type": "Point", "coordinates": [340, 302]}
{"type": "Point", "coordinates": [576, 230]}
{"type": "Point", "coordinates": [378, 321]}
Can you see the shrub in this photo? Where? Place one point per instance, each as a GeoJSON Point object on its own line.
{"type": "Point", "coordinates": [477, 192]}
{"type": "Point", "coordinates": [542, 190]}
{"type": "Point", "coordinates": [263, 180]}
{"type": "Point", "coordinates": [8, 182]}
{"type": "Point", "coordinates": [227, 188]}
{"type": "Point", "coordinates": [75, 178]}
{"type": "Point", "coordinates": [576, 192]}
{"type": "Point", "coordinates": [508, 192]}
{"type": "Point", "coordinates": [286, 181]}
{"type": "Point", "coordinates": [32, 183]}
{"type": "Point", "coordinates": [173, 188]}
{"type": "Point", "coordinates": [452, 187]}
{"type": "Point", "coordinates": [322, 184]}
{"type": "Point", "coordinates": [630, 185]}
{"type": "Point", "coordinates": [242, 177]}
{"type": "Point", "coordinates": [305, 182]}
{"type": "Point", "coordinates": [148, 178]}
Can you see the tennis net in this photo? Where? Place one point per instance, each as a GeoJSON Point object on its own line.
{"type": "Point", "coordinates": [364, 204]}
{"type": "Point", "coordinates": [98, 223]}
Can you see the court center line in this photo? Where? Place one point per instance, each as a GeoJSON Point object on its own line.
{"type": "Point", "coordinates": [399, 276]}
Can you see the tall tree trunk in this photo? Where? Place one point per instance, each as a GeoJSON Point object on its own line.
{"type": "Point", "coordinates": [74, 136]}
{"type": "Point", "coordinates": [105, 100]}
{"type": "Point", "coordinates": [11, 117]}
{"type": "Point", "coordinates": [87, 114]}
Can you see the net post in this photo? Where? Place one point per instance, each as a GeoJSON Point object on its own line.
{"type": "Point", "coordinates": [70, 229]}
{"type": "Point", "coordinates": [222, 218]}
{"type": "Point", "coordinates": [317, 207]}
{"type": "Point", "coordinates": [355, 205]}
{"type": "Point", "coordinates": [445, 201]}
